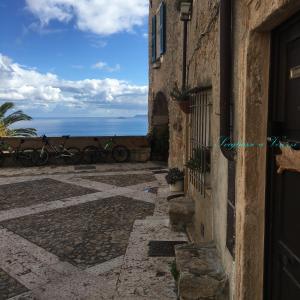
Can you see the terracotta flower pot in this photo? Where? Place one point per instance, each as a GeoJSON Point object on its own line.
{"type": "Point", "coordinates": [185, 106]}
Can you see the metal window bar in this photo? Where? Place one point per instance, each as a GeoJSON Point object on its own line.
{"type": "Point", "coordinates": [200, 137]}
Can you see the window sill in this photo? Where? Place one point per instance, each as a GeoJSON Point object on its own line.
{"type": "Point", "coordinates": [156, 64]}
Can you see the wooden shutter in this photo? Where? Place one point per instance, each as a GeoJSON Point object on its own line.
{"type": "Point", "coordinates": [162, 27]}
{"type": "Point", "coordinates": [154, 38]}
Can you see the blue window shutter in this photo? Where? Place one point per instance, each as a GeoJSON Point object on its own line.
{"type": "Point", "coordinates": [162, 27]}
{"type": "Point", "coordinates": [154, 38]}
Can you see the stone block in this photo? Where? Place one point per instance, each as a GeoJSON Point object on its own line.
{"type": "Point", "coordinates": [181, 213]}
{"type": "Point", "coordinates": [201, 273]}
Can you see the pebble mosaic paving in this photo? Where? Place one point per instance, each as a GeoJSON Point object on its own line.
{"type": "Point", "coordinates": [57, 247]}
{"type": "Point", "coordinates": [84, 235]}
{"type": "Point", "coordinates": [28, 193]}
{"type": "Point", "coordinates": [123, 180]}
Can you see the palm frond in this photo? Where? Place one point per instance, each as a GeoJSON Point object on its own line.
{"type": "Point", "coordinates": [5, 107]}
{"type": "Point", "coordinates": [22, 132]}
{"type": "Point", "coordinates": [7, 120]}
{"type": "Point", "coordinates": [16, 116]}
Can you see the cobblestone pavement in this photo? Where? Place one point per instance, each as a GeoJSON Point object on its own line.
{"type": "Point", "coordinates": [123, 180]}
{"type": "Point", "coordinates": [64, 232]}
{"type": "Point", "coordinates": [85, 234]}
{"type": "Point", "coordinates": [37, 191]}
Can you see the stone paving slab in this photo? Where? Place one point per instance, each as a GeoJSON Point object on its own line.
{"type": "Point", "coordinates": [71, 176]}
{"type": "Point", "coordinates": [35, 209]}
{"type": "Point", "coordinates": [52, 170]}
{"type": "Point", "coordinates": [107, 266]}
{"type": "Point", "coordinates": [86, 234]}
{"type": "Point", "coordinates": [144, 277]}
{"type": "Point", "coordinates": [9, 287]}
{"type": "Point", "coordinates": [27, 193]}
{"type": "Point", "coordinates": [24, 296]}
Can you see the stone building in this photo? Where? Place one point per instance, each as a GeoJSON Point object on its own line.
{"type": "Point", "coordinates": [239, 60]}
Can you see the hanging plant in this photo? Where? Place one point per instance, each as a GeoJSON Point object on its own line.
{"type": "Point", "coordinates": [200, 160]}
{"type": "Point", "coordinates": [182, 97]}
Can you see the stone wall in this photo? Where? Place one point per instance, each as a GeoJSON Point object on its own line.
{"type": "Point", "coordinates": [138, 145]}
{"type": "Point", "coordinates": [203, 71]}
{"type": "Point", "coordinates": [162, 76]}
{"type": "Point", "coordinates": [253, 22]}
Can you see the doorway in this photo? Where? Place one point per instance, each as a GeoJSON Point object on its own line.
{"type": "Point", "coordinates": [160, 128]}
{"type": "Point", "coordinates": [282, 255]}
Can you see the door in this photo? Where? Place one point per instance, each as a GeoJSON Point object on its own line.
{"type": "Point", "coordinates": [283, 190]}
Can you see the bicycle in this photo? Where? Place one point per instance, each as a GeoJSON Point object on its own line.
{"type": "Point", "coordinates": [23, 156]}
{"type": "Point", "coordinates": [70, 155]}
{"type": "Point", "coordinates": [94, 154]}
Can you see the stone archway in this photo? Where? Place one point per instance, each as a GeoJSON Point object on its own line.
{"type": "Point", "coordinates": [160, 128]}
{"type": "Point", "coordinates": [160, 112]}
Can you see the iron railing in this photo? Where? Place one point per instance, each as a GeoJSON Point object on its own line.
{"type": "Point", "coordinates": [200, 138]}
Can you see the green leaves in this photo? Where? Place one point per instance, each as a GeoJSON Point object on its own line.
{"type": "Point", "coordinates": [23, 132]}
{"type": "Point", "coordinates": [5, 107]}
{"type": "Point", "coordinates": [174, 175]}
{"type": "Point", "coordinates": [200, 160]}
{"type": "Point", "coordinates": [14, 117]}
{"type": "Point", "coordinates": [181, 94]}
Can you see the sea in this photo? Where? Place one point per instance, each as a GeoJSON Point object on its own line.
{"type": "Point", "coordinates": [88, 126]}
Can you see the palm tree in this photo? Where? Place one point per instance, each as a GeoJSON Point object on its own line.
{"type": "Point", "coordinates": [7, 120]}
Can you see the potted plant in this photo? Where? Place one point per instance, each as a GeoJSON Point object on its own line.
{"type": "Point", "coordinates": [175, 180]}
{"type": "Point", "coordinates": [182, 97]}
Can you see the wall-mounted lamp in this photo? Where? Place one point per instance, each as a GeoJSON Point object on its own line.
{"type": "Point", "coordinates": [185, 10]}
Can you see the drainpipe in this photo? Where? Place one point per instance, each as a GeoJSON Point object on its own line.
{"type": "Point", "coordinates": [225, 77]}
{"type": "Point", "coordinates": [185, 28]}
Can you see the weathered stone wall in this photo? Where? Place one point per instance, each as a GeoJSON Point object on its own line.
{"type": "Point", "coordinates": [162, 77]}
{"type": "Point", "coordinates": [260, 17]}
{"type": "Point", "coordinates": [138, 145]}
{"type": "Point", "coordinates": [203, 70]}
{"type": "Point", "coordinates": [203, 63]}
{"type": "Point", "coordinates": [253, 21]}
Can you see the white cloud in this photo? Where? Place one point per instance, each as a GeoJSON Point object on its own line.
{"type": "Point", "coordinates": [98, 16]}
{"type": "Point", "coordinates": [32, 89]}
{"type": "Point", "coordinates": [105, 67]}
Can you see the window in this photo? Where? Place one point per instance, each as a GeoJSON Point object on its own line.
{"type": "Point", "coordinates": [162, 28]}
{"type": "Point", "coordinates": [159, 32]}
{"type": "Point", "coordinates": [154, 38]}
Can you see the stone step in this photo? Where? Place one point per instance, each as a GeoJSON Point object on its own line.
{"type": "Point", "coordinates": [158, 218]}
{"type": "Point", "coordinates": [181, 213]}
{"type": "Point", "coordinates": [201, 275]}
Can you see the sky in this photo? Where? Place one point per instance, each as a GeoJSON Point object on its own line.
{"type": "Point", "coordinates": [69, 58]}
